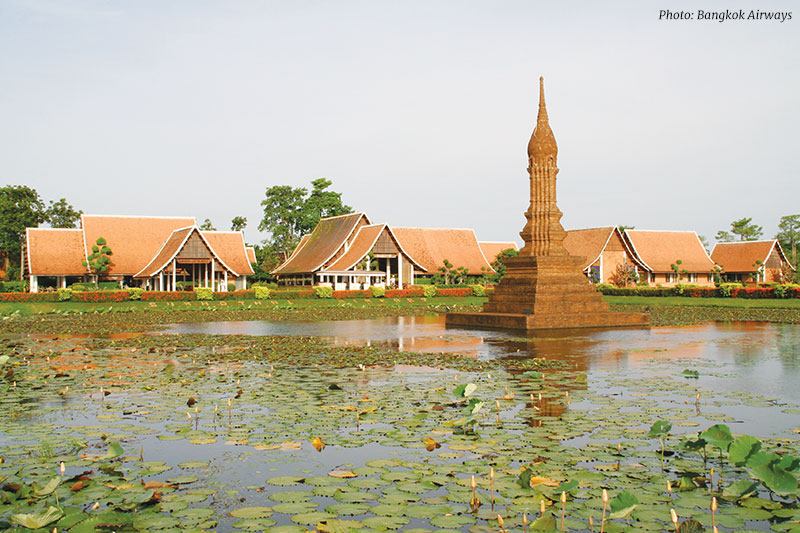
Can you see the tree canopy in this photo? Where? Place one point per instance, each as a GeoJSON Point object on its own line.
{"type": "Point", "coordinates": [743, 228]}
{"type": "Point", "coordinates": [62, 215]}
{"type": "Point", "coordinates": [238, 223]}
{"type": "Point", "coordinates": [290, 213]}
{"type": "Point", "coordinates": [207, 225]}
{"type": "Point", "coordinates": [789, 235]}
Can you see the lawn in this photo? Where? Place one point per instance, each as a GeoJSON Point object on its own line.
{"type": "Point", "coordinates": [681, 301]}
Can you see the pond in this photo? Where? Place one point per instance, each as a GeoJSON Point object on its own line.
{"type": "Point", "coordinates": [229, 428]}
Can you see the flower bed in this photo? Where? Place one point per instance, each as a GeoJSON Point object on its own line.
{"type": "Point", "coordinates": [403, 293]}
{"type": "Point", "coordinates": [235, 295]}
{"type": "Point", "coordinates": [21, 297]}
{"type": "Point", "coordinates": [346, 295]}
{"type": "Point", "coordinates": [99, 296]}
{"type": "Point", "coordinates": [167, 296]}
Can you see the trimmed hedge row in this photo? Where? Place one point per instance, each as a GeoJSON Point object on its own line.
{"type": "Point", "coordinates": [64, 295]}
{"type": "Point", "coordinates": [780, 291]}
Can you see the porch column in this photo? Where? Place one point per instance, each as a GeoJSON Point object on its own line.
{"type": "Point", "coordinates": [244, 283]}
{"type": "Point", "coordinates": [33, 283]}
{"type": "Point", "coordinates": [63, 282]}
{"type": "Point", "coordinates": [205, 275]}
{"type": "Point", "coordinates": [411, 280]}
{"type": "Point", "coordinates": [161, 281]}
{"type": "Point", "coordinates": [213, 280]}
{"type": "Point", "coordinates": [225, 278]}
{"type": "Point", "coordinates": [388, 271]}
{"type": "Point", "coordinates": [174, 270]}
{"type": "Point", "coordinates": [399, 271]}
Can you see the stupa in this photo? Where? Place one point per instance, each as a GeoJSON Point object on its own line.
{"type": "Point", "coordinates": [544, 287]}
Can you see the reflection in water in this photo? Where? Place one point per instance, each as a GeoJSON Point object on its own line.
{"type": "Point", "coordinates": [761, 358]}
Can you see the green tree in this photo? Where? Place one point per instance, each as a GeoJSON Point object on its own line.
{"type": "Point", "coordinates": [704, 242]}
{"type": "Point", "coordinates": [238, 223]}
{"type": "Point", "coordinates": [742, 228]}
{"type": "Point", "coordinates": [676, 268]}
{"type": "Point", "coordinates": [291, 212]}
{"type": "Point", "coordinates": [61, 214]}
{"type": "Point", "coordinates": [20, 208]}
{"type": "Point", "coordinates": [789, 235]}
{"type": "Point", "coordinates": [623, 228]}
{"type": "Point", "coordinates": [207, 225]}
{"type": "Point", "coordinates": [99, 261]}
{"type": "Point", "coordinates": [498, 265]}
{"type": "Point", "coordinates": [322, 203]}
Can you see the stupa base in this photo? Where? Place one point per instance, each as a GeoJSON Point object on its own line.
{"type": "Point", "coordinates": [531, 322]}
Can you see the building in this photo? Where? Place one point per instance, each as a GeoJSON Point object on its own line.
{"type": "Point", "coordinates": [155, 253]}
{"type": "Point", "coordinates": [604, 250]}
{"type": "Point", "coordinates": [752, 261]}
{"type": "Point", "coordinates": [657, 251]}
{"type": "Point", "coordinates": [349, 252]}
{"type": "Point", "coordinates": [491, 249]}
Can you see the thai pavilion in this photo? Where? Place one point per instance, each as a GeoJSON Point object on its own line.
{"type": "Point", "coordinates": [349, 252]}
{"type": "Point", "coordinates": [155, 253]}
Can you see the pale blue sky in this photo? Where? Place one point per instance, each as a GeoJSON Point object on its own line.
{"type": "Point", "coordinates": [419, 112]}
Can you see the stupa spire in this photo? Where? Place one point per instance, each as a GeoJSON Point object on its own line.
{"type": "Point", "coordinates": [542, 147]}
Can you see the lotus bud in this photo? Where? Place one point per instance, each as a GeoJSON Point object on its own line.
{"type": "Point", "coordinates": [542, 507]}
{"type": "Point", "coordinates": [525, 521]}
{"type": "Point", "coordinates": [229, 403]}
{"type": "Point", "coordinates": [669, 487]}
{"type": "Point", "coordinates": [540, 396]}
{"type": "Point", "coordinates": [500, 520]}
{"type": "Point", "coordinates": [591, 523]}
{"type": "Point", "coordinates": [563, 497]}
{"type": "Point", "coordinates": [188, 415]}
{"type": "Point", "coordinates": [619, 447]}
{"type": "Point", "coordinates": [673, 516]}
{"type": "Point", "coordinates": [238, 381]}
{"type": "Point", "coordinates": [472, 483]}
{"type": "Point", "coordinates": [96, 506]}
{"type": "Point", "coordinates": [62, 468]}
{"type": "Point", "coordinates": [605, 496]}
{"type": "Point", "coordinates": [715, 530]}
{"type": "Point", "coordinates": [714, 503]}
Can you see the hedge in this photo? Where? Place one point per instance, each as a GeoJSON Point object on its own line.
{"type": "Point", "coordinates": [28, 297]}
{"type": "Point", "coordinates": [99, 296]}
{"type": "Point", "coordinates": [781, 291]}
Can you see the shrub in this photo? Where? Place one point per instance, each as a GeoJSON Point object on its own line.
{"type": "Point", "coordinates": [28, 297]}
{"type": "Point", "coordinates": [347, 295]}
{"type": "Point", "coordinates": [786, 290]}
{"type": "Point", "coordinates": [203, 293]}
{"type": "Point", "coordinates": [603, 287]}
{"type": "Point", "coordinates": [726, 289]}
{"type": "Point", "coordinates": [378, 292]}
{"type": "Point", "coordinates": [262, 293]}
{"type": "Point", "coordinates": [753, 292]}
{"type": "Point", "coordinates": [466, 291]}
{"type": "Point", "coordinates": [167, 296]}
{"type": "Point", "coordinates": [64, 295]}
{"type": "Point", "coordinates": [99, 296]}
{"type": "Point", "coordinates": [135, 293]}
{"type": "Point", "coordinates": [231, 287]}
{"type": "Point", "coordinates": [429, 291]}
{"type": "Point", "coordinates": [292, 294]}
{"type": "Point", "coordinates": [14, 286]}
{"type": "Point", "coordinates": [478, 290]}
{"type": "Point", "coordinates": [404, 293]}
{"type": "Point", "coordinates": [323, 292]}
{"type": "Point", "coordinates": [235, 295]}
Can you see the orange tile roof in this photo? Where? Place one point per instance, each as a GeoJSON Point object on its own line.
{"type": "Point", "coordinates": [741, 256]}
{"type": "Point", "coordinates": [491, 249]}
{"type": "Point", "coordinates": [133, 240]}
{"type": "Point", "coordinates": [303, 241]}
{"type": "Point", "coordinates": [251, 254]}
{"type": "Point", "coordinates": [588, 243]}
{"type": "Point", "coordinates": [321, 245]}
{"type": "Point", "coordinates": [230, 249]}
{"type": "Point", "coordinates": [659, 249]}
{"type": "Point", "coordinates": [168, 250]}
{"type": "Point", "coordinates": [431, 246]}
{"type": "Point", "coordinates": [360, 247]}
{"type": "Point", "coordinates": [56, 252]}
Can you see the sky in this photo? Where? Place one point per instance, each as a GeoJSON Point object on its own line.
{"type": "Point", "coordinates": [419, 112]}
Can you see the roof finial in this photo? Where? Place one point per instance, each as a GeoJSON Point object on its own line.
{"type": "Point", "coordinates": [542, 107]}
{"type": "Point", "coordinates": [542, 146]}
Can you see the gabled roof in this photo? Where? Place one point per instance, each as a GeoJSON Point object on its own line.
{"type": "Point", "coordinates": [588, 243]}
{"type": "Point", "coordinates": [431, 246]}
{"type": "Point", "coordinates": [133, 240]}
{"type": "Point", "coordinates": [362, 244]}
{"type": "Point", "coordinates": [251, 254]}
{"type": "Point", "coordinates": [322, 244]}
{"type": "Point", "coordinates": [657, 250]}
{"type": "Point", "coordinates": [490, 249]}
{"type": "Point", "coordinates": [172, 246]}
{"type": "Point", "coordinates": [741, 256]}
{"type": "Point", "coordinates": [55, 252]}
{"type": "Point", "coordinates": [230, 248]}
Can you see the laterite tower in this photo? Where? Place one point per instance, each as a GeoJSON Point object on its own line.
{"type": "Point", "coordinates": [544, 287]}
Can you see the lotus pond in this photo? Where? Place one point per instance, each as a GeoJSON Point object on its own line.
{"type": "Point", "coordinates": [399, 424]}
